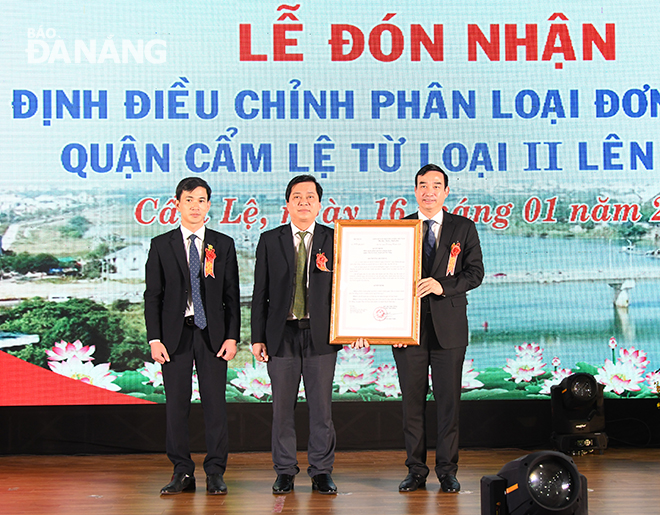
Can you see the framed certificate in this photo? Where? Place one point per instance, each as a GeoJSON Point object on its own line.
{"type": "Point", "coordinates": [377, 264]}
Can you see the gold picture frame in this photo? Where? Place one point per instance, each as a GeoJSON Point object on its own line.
{"type": "Point", "coordinates": [377, 264]}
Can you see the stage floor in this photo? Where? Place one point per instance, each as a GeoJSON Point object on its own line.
{"type": "Point", "coordinates": [621, 481]}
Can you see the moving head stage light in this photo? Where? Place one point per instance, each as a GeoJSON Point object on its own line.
{"type": "Point", "coordinates": [545, 482]}
{"type": "Point", "coordinates": [578, 415]}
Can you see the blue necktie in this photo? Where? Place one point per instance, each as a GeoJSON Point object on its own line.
{"type": "Point", "coordinates": [429, 242]}
{"type": "Point", "coordinates": [195, 267]}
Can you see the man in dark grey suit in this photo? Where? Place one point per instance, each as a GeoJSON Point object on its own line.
{"type": "Point", "coordinates": [452, 265]}
{"type": "Point", "coordinates": [192, 312]}
{"type": "Point", "coordinates": [291, 331]}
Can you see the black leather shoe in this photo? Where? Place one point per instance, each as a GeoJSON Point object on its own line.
{"type": "Point", "coordinates": [283, 484]}
{"type": "Point", "coordinates": [181, 482]}
{"type": "Point", "coordinates": [215, 484]}
{"type": "Point", "coordinates": [412, 482]}
{"type": "Point", "coordinates": [324, 484]}
{"type": "Point", "coordinates": [449, 483]}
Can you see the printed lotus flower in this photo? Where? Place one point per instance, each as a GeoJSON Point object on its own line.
{"type": "Point", "coordinates": [529, 349]}
{"type": "Point", "coordinates": [195, 396]}
{"type": "Point", "coordinates": [365, 354]}
{"type": "Point", "coordinates": [524, 368]}
{"type": "Point", "coordinates": [154, 374]}
{"type": "Point", "coordinates": [620, 376]}
{"type": "Point", "coordinates": [612, 343]}
{"type": "Point", "coordinates": [634, 356]}
{"type": "Point", "coordinates": [86, 371]}
{"type": "Point", "coordinates": [469, 380]}
{"type": "Point", "coordinates": [301, 389]}
{"type": "Point", "coordinates": [557, 377]}
{"type": "Point", "coordinates": [387, 381]}
{"type": "Point", "coordinates": [254, 380]}
{"type": "Point", "coordinates": [556, 362]}
{"type": "Point", "coordinates": [352, 374]}
{"type": "Point", "coordinates": [653, 380]}
{"type": "Point", "coordinates": [62, 351]}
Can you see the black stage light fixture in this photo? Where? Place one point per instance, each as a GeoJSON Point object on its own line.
{"type": "Point", "coordinates": [545, 482]}
{"type": "Point", "coordinates": [578, 414]}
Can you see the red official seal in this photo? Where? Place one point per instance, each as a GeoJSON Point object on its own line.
{"type": "Point", "coordinates": [380, 314]}
{"type": "Point", "coordinates": [209, 258]}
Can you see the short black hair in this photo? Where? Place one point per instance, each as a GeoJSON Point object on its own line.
{"type": "Point", "coordinates": [304, 178]}
{"type": "Point", "coordinates": [431, 168]}
{"type": "Point", "coordinates": [190, 184]}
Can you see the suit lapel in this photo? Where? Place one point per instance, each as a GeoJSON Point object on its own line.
{"type": "Point", "coordinates": [286, 244]}
{"type": "Point", "coordinates": [176, 242]}
{"type": "Point", "coordinates": [318, 244]}
{"type": "Point", "coordinates": [446, 234]}
{"type": "Point", "coordinates": [425, 267]}
{"type": "Point", "coordinates": [317, 278]}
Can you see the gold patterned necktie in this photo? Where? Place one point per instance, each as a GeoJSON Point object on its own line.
{"type": "Point", "coordinates": [300, 295]}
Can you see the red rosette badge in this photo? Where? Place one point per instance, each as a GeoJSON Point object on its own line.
{"type": "Point", "coordinates": [321, 261]}
{"type": "Point", "coordinates": [209, 259]}
{"type": "Point", "coordinates": [454, 251]}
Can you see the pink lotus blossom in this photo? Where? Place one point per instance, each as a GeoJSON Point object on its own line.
{"type": "Point", "coordinates": [365, 354]}
{"type": "Point", "coordinates": [254, 380]}
{"type": "Point", "coordinates": [87, 372]}
{"type": "Point", "coordinates": [636, 357]}
{"type": "Point", "coordinates": [557, 377]}
{"type": "Point", "coordinates": [612, 343]}
{"type": "Point", "coordinates": [62, 351]}
{"type": "Point", "coordinates": [387, 381]}
{"type": "Point", "coordinates": [469, 380]}
{"type": "Point", "coordinates": [352, 374]}
{"type": "Point", "coordinates": [556, 362]}
{"type": "Point", "coordinates": [195, 395]}
{"type": "Point", "coordinates": [154, 374]}
{"type": "Point", "coordinates": [532, 350]}
{"type": "Point", "coordinates": [524, 368]}
{"type": "Point", "coordinates": [354, 368]}
{"type": "Point", "coordinates": [653, 380]}
{"type": "Point", "coordinates": [620, 376]}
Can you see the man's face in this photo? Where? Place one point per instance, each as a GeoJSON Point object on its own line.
{"type": "Point", "coordinates": [303, 204]}
{"type": "Point", "coordinates": [193, 206]}
{"type": "Point", "coordinates": [431, 193]}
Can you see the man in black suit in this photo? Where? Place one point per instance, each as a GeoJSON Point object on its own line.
{"type": "Point", "coordinates": [291, 331]}
{"type": "Point", "coordinates": [452, 265]}
{"type": "Point", "coordinates": [192, 312]}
